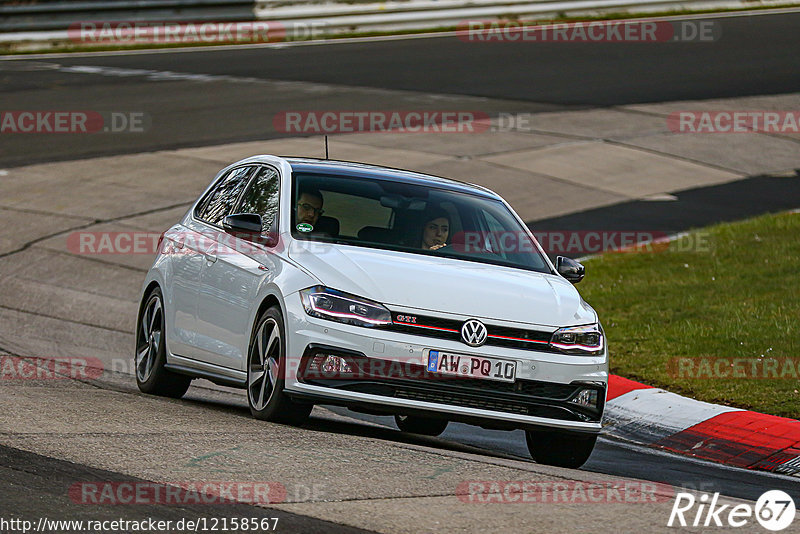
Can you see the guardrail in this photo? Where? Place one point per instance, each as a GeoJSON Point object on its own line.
{"type": "Point", "coordinates": [328, 17]}
{"type": "Point", "coordinates": [59, 15]}
{"type": "Point", "coordinates": [418, 14]}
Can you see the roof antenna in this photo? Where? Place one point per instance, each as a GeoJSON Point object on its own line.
{"type": "Point", "coordinates": [326, 147]}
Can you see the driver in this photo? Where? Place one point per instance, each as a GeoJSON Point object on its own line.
{"type": "Point", "coordinates": [436, 230]}
{"type": "Point", "coordinates": [309, 206]}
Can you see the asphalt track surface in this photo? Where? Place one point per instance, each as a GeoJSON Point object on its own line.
{"type": "Point", "coordinates": [237, 91]}
{"type": "Point", "coordinates": [248, 85]}
{"type": "Point", "coordinates": [753, 55]}
{"type": "Point", "coordinates": [613, 457]}
{"type": "Point", "coordinates": [36, 485]}
{"type": "Point", "coordinates": [692, 208]}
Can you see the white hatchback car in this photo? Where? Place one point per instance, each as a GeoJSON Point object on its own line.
{"type": "Point", "coordinates": [390, 292]}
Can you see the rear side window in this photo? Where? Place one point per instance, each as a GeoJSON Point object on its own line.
{"type": "Point", "coordinates": [219, 203]}
{"type": "Point", "coordinates": [262, 197]}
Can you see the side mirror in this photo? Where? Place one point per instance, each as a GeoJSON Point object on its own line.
{"type": "Point", "coordinates": [249, 226]}
{"type": "Point", "coordinates": [245, 223]}
{"type": "Point", "coordinates": [570, 269]}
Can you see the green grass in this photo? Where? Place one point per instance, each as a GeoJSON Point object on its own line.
{"type": "Point", "coordinates": [736, 297]}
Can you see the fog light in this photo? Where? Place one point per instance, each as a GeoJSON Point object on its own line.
{"type": "Point", "coordinates": [586, 398]}
{"type": "Point", "coordinates": [329, 365]}
{"type": "Point", "coordinates": [336, 364]}
{"type": "Point", "coordinates": [316, 362]}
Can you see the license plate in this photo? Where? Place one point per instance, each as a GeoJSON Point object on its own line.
{"type": "Point", "coordinates": [467, 366]}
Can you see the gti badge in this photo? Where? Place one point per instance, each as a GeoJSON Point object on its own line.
{"type": "Point", "coordinates": [473, 333]}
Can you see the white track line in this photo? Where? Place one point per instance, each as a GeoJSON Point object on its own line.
{"type": "Point", "coordinates": [350, 40]}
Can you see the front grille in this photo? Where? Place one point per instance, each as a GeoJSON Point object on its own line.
{"type": "Point", "coordinates": [460, 400]}
{"type": "Point", "coordinates": [498, 336]}
{"type": "Point", "coordinates": [545, 390]}
{"type": "Point", "coordinates": [525, 397]}
{"type": "Point", "coordinates": [516, 405]}
{"type": "Point", "coordinates": [419, 374]}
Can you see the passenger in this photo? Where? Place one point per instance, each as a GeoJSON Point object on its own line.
{"type": "Point", "coordinates": [309, 206]}
{"type": "Point", "coordinates": [436, 230]}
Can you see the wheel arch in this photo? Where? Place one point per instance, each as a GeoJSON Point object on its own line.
{"type": "Point", "coordinates": [270, 300]}
{"type": "Point", "coordinates": [145, 295]}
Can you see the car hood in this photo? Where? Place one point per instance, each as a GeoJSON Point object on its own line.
{"type": "Point", "coordinates": [446, 285]}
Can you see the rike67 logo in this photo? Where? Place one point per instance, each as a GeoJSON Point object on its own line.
{"type": "Point", "coordinates": [774, 510]}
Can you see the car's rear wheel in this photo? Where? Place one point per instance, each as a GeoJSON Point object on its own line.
{"type": "Point", "coordinates": [266, 362]}
{"type": "Point", "coordinates": [420, 425]}
{"type": "Point", "coordinates": [562, 449]}
{"type": "Point", "coordinates": [151, 352]}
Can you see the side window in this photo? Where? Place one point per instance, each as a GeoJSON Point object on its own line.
{"type": "Point", "coordinates": [262, 197]}
{"type": "Point", "coordinates": [219, 203]}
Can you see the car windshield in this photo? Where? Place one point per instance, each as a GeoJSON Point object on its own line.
{"type": "Point", "coordinates": [421, 219]}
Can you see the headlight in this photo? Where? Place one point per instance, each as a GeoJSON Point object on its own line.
{"type": "Point", "coordinates": [333, 305]}
{"type": "Point", "coordinates": [578, 339]}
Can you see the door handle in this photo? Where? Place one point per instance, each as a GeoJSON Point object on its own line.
{"type": "Point", "coordinates": [210, 257]}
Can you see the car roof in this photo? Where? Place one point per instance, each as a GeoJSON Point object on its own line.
{"type": "Point", "coordinates": [363, 170]}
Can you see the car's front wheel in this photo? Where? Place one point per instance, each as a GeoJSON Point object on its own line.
{"type": "Point", "coordinates": [562, 449]}
{"type": "Point", "coordinates": [420, 425]}
{"type": "Point", "coordinates": [266, 362]}
{"type": "Point", "coordinates": [151, 352]}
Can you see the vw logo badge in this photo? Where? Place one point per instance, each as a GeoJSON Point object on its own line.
{"type": "Point", "coordinates": [473, 333]}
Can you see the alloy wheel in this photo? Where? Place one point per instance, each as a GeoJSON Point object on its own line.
{"type": "Point", "coordinates": [149, 338]}
{"type": "Point", "coordinates": [263, 369]}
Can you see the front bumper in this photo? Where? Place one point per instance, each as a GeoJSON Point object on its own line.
{"type": "Point", "coordinates": [540, 397]}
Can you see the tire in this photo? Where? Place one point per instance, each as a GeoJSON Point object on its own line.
{"type": "Point", "coordinates": [266, 361]}
{"type": "Point", "coordinates": [562, 449]}
{"type": "Point", "coordinates": [151, 352]}
{"type": "Point", "coordinates": [420, 425]}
